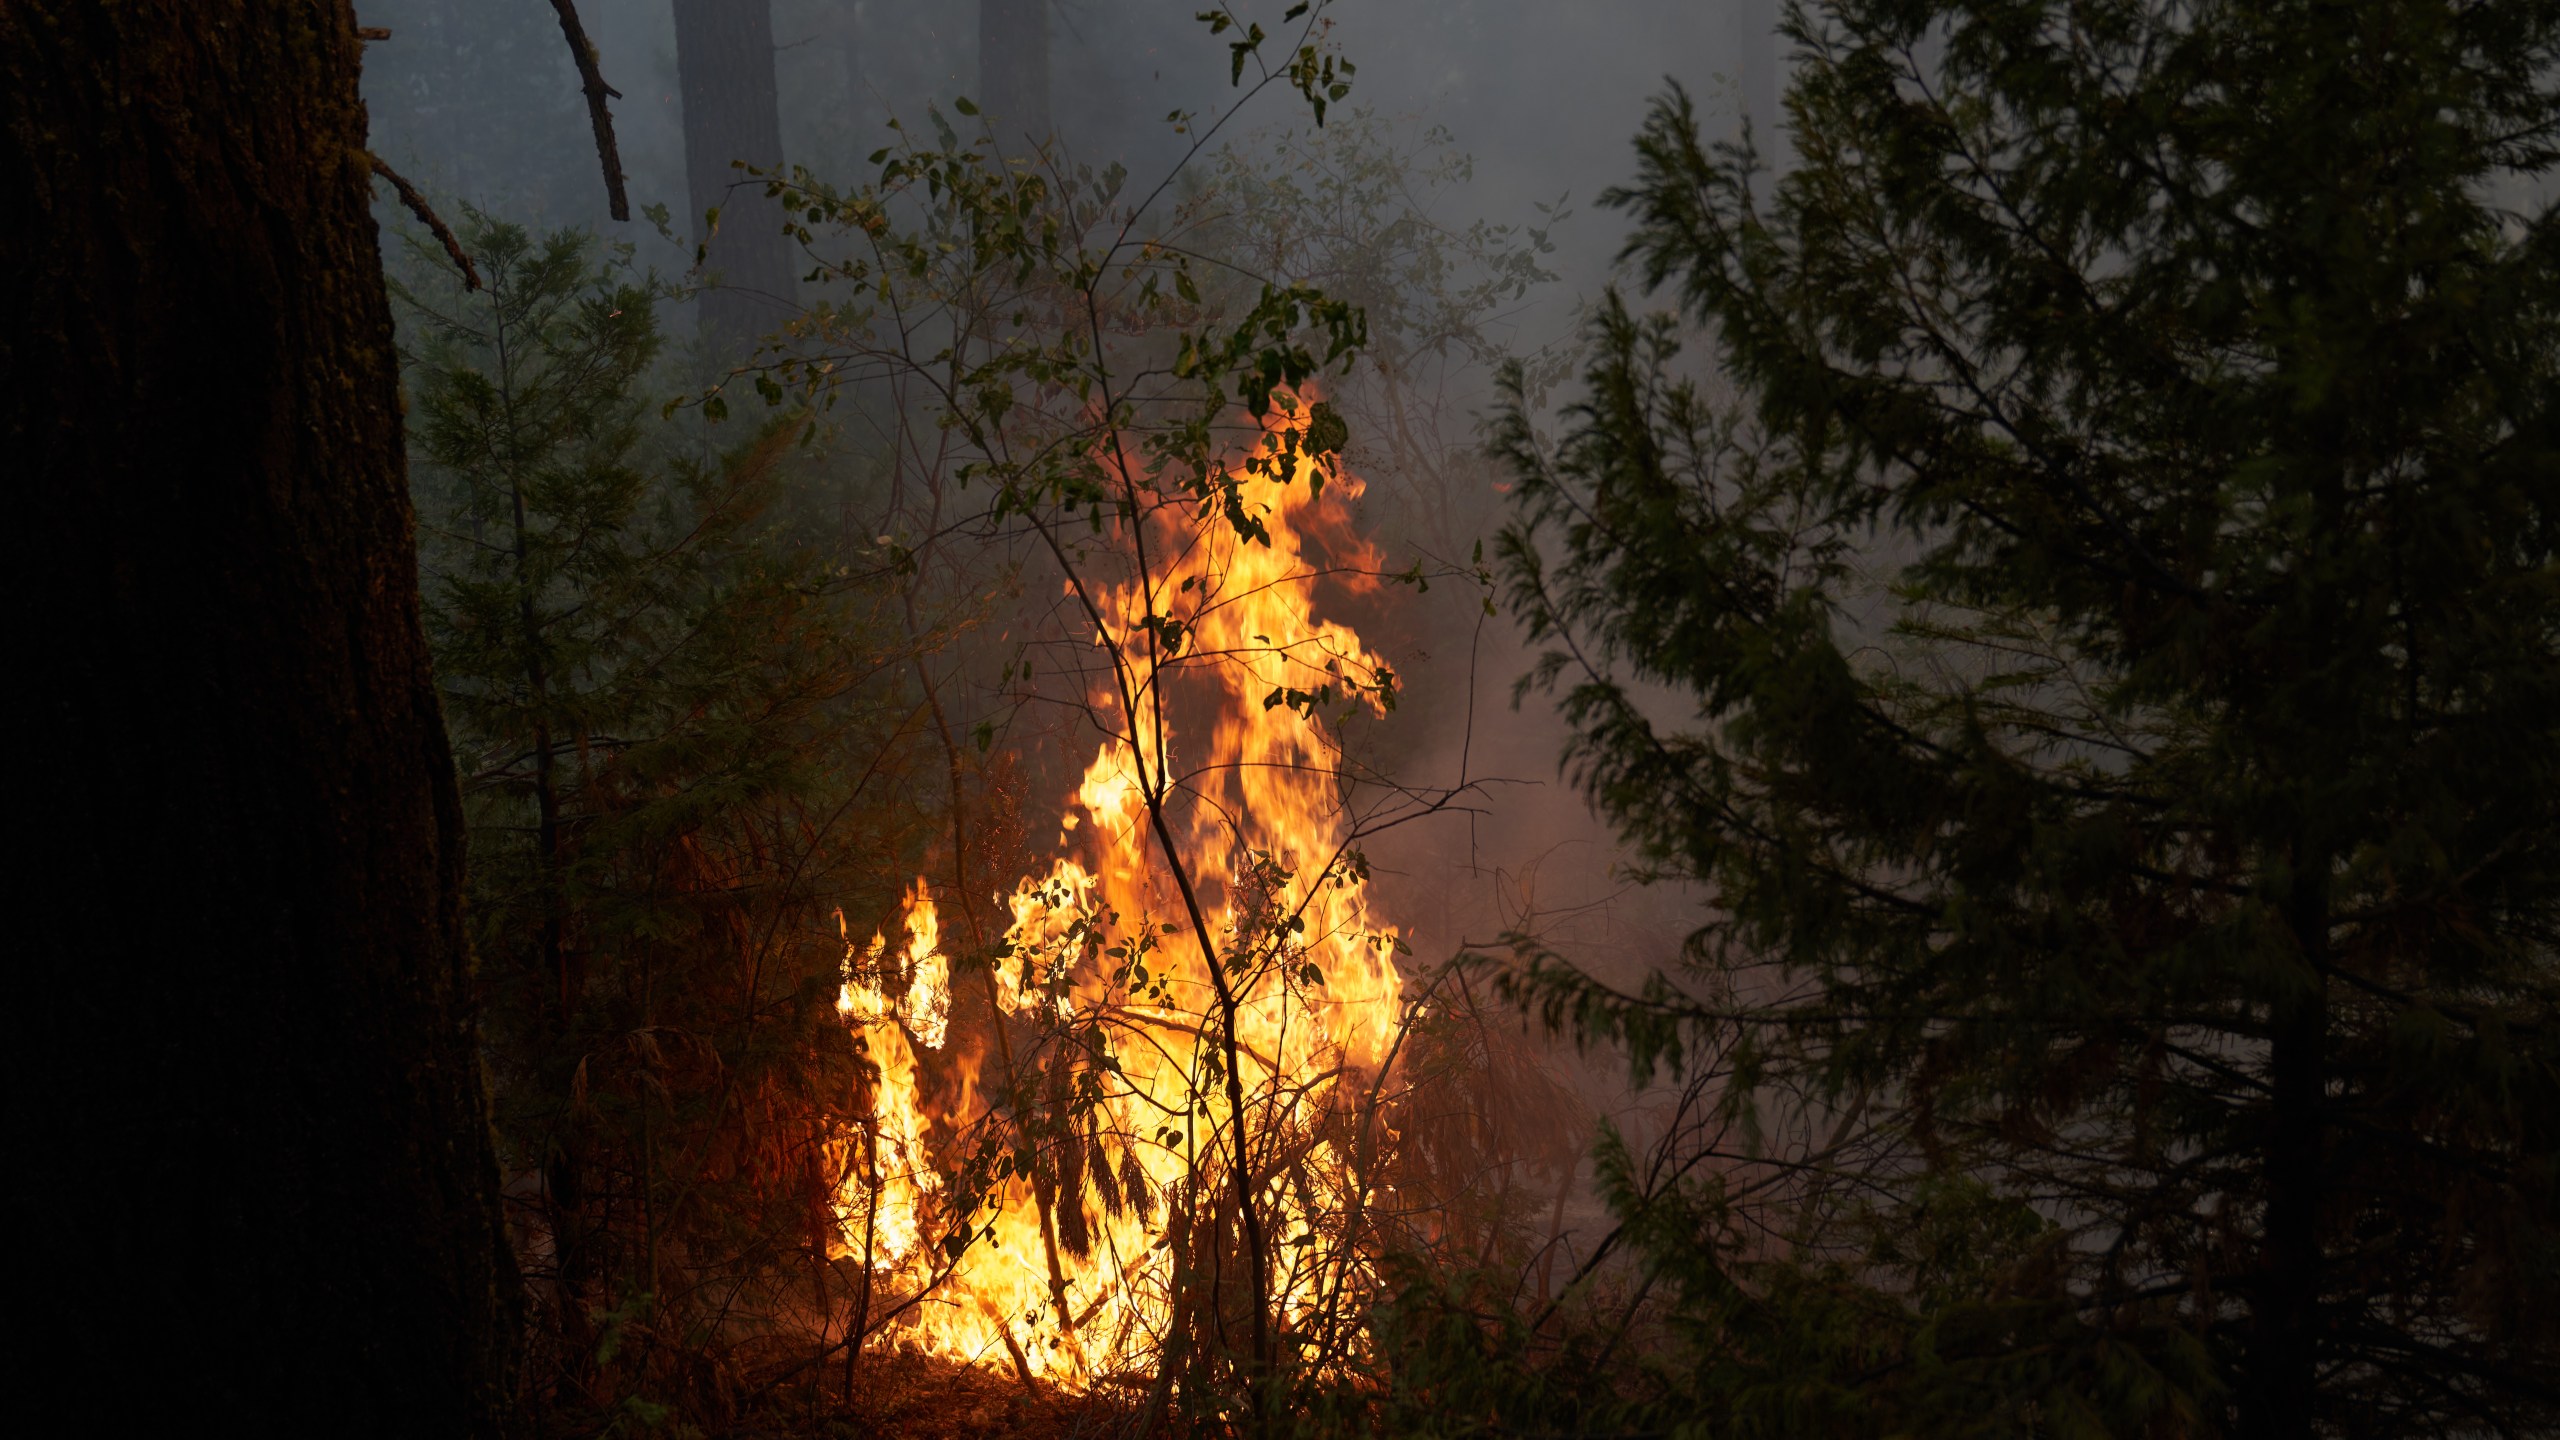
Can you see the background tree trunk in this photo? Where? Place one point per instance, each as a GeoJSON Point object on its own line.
{"type": "Point", "coordinates": [246, 1091]}
{"type": "Point", "coordinates": [1013, 70]}
{"type": "Point", "coordinates": [724, 66]}
{"type": "Point", "coordinates": [1758, 55]}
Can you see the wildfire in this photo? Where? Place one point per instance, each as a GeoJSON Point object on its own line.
{"type": "Point", "coordinates": [1123, 1110]}
{"type": "Point", "coordinates": [889, 1177]}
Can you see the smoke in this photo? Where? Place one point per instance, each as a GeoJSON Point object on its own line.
{"type": "Point", "coordinates": [477, 101]}
{"type": "Point", "coordinates": [478, 98]}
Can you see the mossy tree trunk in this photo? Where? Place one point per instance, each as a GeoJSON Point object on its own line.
{"type": "Point", "coordinates": [247, 1089]}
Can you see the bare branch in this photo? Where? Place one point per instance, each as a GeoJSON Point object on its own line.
{"type": "Point", "coordinates": [417, 204]}
{"type": "Point", "coordinates": [608, 153]}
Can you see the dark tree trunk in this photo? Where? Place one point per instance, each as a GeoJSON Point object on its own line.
{"type": "Point", "coordinates": [1013, 70]}
{"type": "Point", "coordinates": [245, 1089]}
{"type": "Point", "coordinates": [2280, 1391]}
{"type": "Point", "coordinates": [724, 66]}
{"type": "Point", "coordinates": [2280, 1396]}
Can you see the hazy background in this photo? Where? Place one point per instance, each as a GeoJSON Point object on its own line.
{"type": "Point", "coordinates": [478, 102]}
{"type": "Point", "coordinates": [478, 99]}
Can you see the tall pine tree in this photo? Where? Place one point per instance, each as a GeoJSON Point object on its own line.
{"type": "Point", "coordinates": [2118, 628]}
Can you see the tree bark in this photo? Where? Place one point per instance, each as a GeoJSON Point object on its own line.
{"type": "Point", "coordinates": [2280, 1393]}
{"type": "Point", "coordinates": [1013, 70]}
{"type": "Point", "coordinates": [246, 1090]}
{"type": "Point", "coordinates": [724, 66]}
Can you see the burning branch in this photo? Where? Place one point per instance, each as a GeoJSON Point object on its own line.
{"type": "Point", "coordinates": [1192, 1003]}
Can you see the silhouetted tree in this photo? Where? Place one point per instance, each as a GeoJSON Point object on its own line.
{"type": "Point", "coordinates": [243, 1064]}
{"type": "Point", "coordinates": [2125, 714]}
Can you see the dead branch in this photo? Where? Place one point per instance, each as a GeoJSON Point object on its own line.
{"type": "Point", "coordinates": [608, 153]}
{"type": "Point", "coordinates": [418, 206]}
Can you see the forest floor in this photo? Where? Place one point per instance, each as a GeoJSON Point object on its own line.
{"type": "Point", "coordinates": [918, 1397]}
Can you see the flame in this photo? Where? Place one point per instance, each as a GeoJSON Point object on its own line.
{"type": "Point", "coordinates": [888, 1176]}
{"type": "Point", "coordinates": [1071, 1273]}
{"type": "Point", "coordinates": [928, 1007]}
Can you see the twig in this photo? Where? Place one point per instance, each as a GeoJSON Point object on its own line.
{"type": "Point", "coordinates": [608, 153]}
{"type": "Point", "coordinates": [417, 204]}
{"type": "Point", "coordinates": [1021, 1363]}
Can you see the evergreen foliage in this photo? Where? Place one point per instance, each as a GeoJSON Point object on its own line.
{"type": "Point", "coordinates": [677, 758]}
{"type": "Point", "coordinates": [2113, 633]}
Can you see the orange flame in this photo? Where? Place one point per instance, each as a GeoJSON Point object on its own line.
{"type": "Point", "coordinates": [889, 1179]}
{"type": "Point", "coordinates": [1072, 1275]}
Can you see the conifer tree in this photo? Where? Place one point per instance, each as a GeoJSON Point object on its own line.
{"type": "Point", "coordinates": [677, 759]}
{"type": "Point", "coordinates": [2119, 737]}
